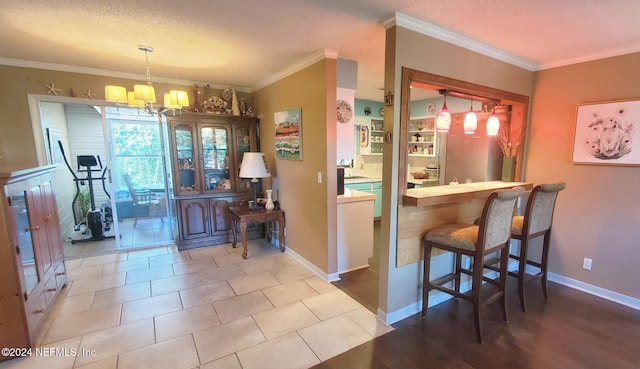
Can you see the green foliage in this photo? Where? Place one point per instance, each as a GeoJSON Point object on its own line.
{"type": "Point", "coordinates": [83, 203]}
{"type": "Point", "coordinates": [138, 151]}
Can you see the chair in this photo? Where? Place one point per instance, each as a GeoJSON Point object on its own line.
{"type": "Point", "coordinates": [145, 203]}
{"type": "Point", "coordinates": [536, 222]}
{"type": "Point", "coordinates": [476, 241]}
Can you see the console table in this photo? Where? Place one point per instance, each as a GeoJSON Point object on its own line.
{"type": "Point", "coordinates": [243, 215]}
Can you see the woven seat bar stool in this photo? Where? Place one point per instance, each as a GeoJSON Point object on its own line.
{"type": "Point", "coordinates": [491, 235]}
{"type": "Point", "coordinates": [536, 222]}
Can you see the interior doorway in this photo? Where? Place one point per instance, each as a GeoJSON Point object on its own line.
{"type": "Point", "coordinates": [123, 151]}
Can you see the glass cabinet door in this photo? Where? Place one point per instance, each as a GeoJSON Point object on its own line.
{"type": "Point", "coordinates": [26, 255]}
{"type": "Point", "coordinates": [215, 158]}
{"type": "Point", "coordinates": [185, 160]}
{"type": "Point", "coordinates": [243, 144]}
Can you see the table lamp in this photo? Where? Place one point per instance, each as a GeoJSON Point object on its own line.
{"type": "Point", "coordinates": [254, 166]}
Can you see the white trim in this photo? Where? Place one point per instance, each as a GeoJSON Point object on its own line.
{"type": "Point", "coordinates": [110, 73]}
{"type": "Point", "coordinates": [457, 39]}
{"type": "Point", "coordinates": [601, 55]}
{"type": "Point", "coordinates": [619, 298]}
{"type": "Point", "coordinates": [322, 275]}
{"type": "Point", "coordinates": [308, 61]}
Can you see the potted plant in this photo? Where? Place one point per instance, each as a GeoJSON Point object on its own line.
{"type": "Point", "coordinates": [83, 204]}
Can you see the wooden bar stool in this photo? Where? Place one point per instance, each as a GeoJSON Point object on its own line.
{"type": "Point", "coordinates": [491, 235]}
{"type": "Point", "coordinates": [536, 222]}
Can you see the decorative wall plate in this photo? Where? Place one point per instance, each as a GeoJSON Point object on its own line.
{"type": "Point", "coordinates": [345, 111]}
{"type": "Point", "coordinates": [227, 94]}
{"type": "Point", "coordinates": [381, 111]}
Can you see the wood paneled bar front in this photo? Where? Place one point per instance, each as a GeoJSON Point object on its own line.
{"type": "Point", "coordinates": [426, 208]}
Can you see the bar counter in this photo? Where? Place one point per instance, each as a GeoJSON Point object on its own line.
{"type": "Point", "coordinates": [426, 208]}
{"type": "Point", "coordinates": [427, 196]}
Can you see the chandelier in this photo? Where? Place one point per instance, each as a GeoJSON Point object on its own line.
{"type": "Point", "coordinates": [143, 96]}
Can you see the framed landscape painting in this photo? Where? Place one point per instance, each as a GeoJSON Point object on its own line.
{"type": "Point", "coordinates": [289, 134]}
{"type": "Point", "coordinates": [607, 133]}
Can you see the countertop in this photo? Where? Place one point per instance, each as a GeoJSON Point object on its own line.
{"type": "Point", "coordinates": [355, 196]}
{"type": "Point", "coordinates": [428, 196]}
{"type": "Point", "coordinates": [350, 180]}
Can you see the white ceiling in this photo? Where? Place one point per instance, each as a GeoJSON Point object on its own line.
{"type": "Point", "coordinates": [246, 42]}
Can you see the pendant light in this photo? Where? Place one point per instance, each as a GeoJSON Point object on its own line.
{"type": "Point", "coordinates": [443, 119]}
{"type": "Point", "coordinates": [493, 124]}
{"type": "Point", "coordinates": [470, 121]}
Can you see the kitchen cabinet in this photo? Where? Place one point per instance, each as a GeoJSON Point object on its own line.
{"type": "Point", "coordinates": [370, 136]}
{"type": "Point", "coordinates": [422, 137]}
{"type": "Point", "coordinates": [376, 188]}
{"type": "Point", "coordinates": [371, 187]}
{"type": "Point", "coordinates": [32, 266]}
{"type": "Point", "coordinates": [207, 152]}
{"type": "Point", "coordinates": [377, 137]}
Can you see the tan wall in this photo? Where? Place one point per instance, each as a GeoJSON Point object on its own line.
{"type": "Point", "coordinates": [17, 145]}
{"type": "Point", "coordinates": [597, 215]}
{"type": "Point", "coordinates": [406, 48]}
{"type": "Point", "coordinates": [310, 206]}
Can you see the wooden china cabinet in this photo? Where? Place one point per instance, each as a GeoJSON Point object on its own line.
{"type": "Point", "coordinates": [206, 154]}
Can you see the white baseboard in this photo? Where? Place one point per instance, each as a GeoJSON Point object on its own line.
{"type": "Point", "coordinates": [619, 298]}
{"type": "Point", "coordinates": [321, 274]}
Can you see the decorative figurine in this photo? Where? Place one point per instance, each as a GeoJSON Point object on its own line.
{"type": "Point", "coordinates": [196, 104]}
{"type": "Point", "coordinates": [243, 106]}
{"type": "Point", "coordinates": [234, 103]}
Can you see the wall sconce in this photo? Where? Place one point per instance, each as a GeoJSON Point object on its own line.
{"type": "Point", "coordinates": [470, 121]}
{"type": "Point", "coordinates": [443, 119]}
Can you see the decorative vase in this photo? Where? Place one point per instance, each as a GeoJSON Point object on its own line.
{"type": "Point", "coordinates": [508, 168]}
{"type": "Point", "coordinates": [269, 205]}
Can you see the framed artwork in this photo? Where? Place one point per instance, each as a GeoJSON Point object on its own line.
{"type": "Point", "coordinates": [605, 133]}
{"type": "Point", "coordinates": [289, 134]}
{"type": "Point", "coordinates": [55, 154]}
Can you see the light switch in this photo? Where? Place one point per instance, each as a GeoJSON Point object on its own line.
{"type": "Point", "coordinates": [319, 177]}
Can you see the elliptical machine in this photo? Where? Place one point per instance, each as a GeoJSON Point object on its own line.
{"type": "Point", "coordinates": [97, 221]}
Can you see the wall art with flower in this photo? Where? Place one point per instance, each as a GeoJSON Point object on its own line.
{"type": "Point", "coordinates": [607, 132]}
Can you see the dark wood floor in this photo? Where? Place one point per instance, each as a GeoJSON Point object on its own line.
{"type": "Point", "coordinates": [572, 329]}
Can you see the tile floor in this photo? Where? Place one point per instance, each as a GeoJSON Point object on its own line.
{"type": "Point", "coordinates": [147, 232]}
{"type": "Point", "coordinates": [204, 308]}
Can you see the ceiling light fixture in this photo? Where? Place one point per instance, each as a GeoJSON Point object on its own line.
{"type": "Point", "coordinates": [493, 124]}
{"type": "Point", "coordinates": [443, 119]}
{"type": "Point", "coordinates": [470, 121]}
{"type": "Point", "coordinates": [143, 95]}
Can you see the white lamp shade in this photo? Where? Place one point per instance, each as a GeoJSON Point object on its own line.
{"type": "Point", "coordinates": [470, 123]}
{"type": "Point", "coordinates": [115, 94]}
{"type": "Point", "coordinates": [443, 120]}
{"type": "Point", "coordinates": [254, 165]}
{"type": "Point", "coordinates": [493, 125]}
{"type": "Point", "coordinates": [145, 93]}
{"type": "Point", "coordinates": [169, 102]}
{"type": "Point", "coordinates": [132, 102]}
{"type": "Point", "coordinates": [179, 97]}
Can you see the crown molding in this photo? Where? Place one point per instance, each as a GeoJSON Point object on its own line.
{"type": "Point", "coordinates": [440, 33]}
{"type": "Point", "coordinates": [602, 55]}
{"type": "Point", "coordinates": [304, 63]}
{"type": "Point", "coordinates": [109, 73]}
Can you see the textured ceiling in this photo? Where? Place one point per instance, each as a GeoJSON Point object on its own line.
{"type": "Point", "coordinates": [243, 43]}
